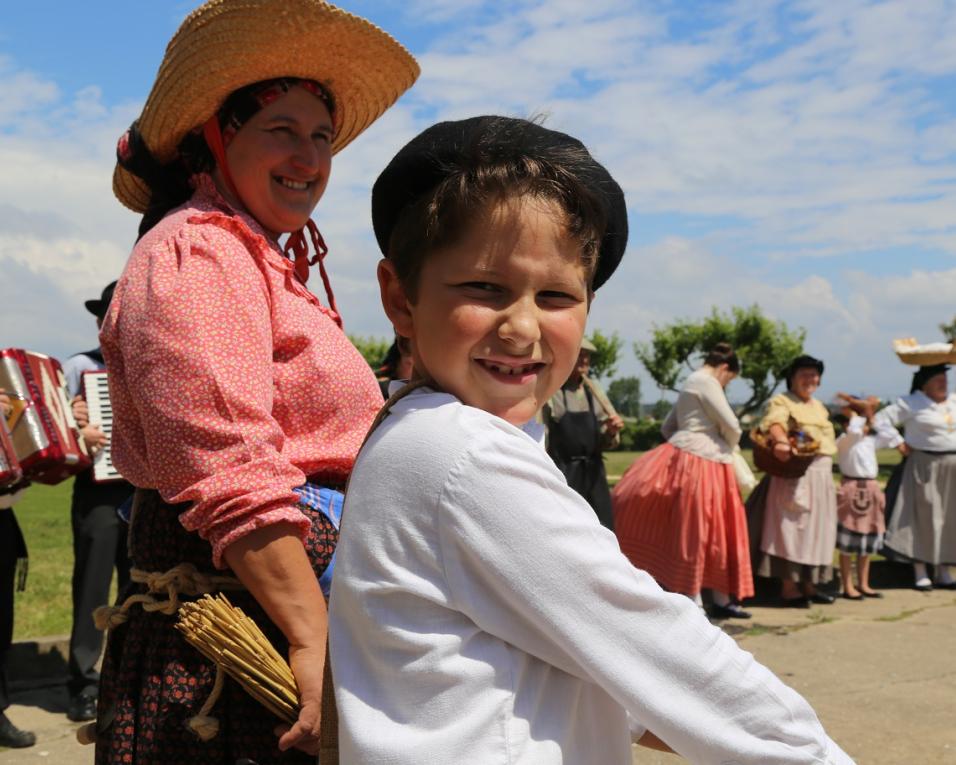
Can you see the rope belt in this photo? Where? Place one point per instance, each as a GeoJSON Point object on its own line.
{"type": "Point", "coordinates": [182, 579]}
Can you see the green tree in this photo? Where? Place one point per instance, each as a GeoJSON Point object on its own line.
{"type": "Point", "coordinates": [764, 347]}
{"type": "Point", "coordinates": [949, 330]}
{"type": "Point", "coordinates": [604, 360]}
{"type": "Point", "coordinates": [373, 349]}
{"type": "Point", "coordinates": [661, 409]}
{"type": "Point", "coordinates": [625, 394]}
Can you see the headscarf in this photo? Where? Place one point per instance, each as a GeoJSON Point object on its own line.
{"type": "Point", "coordinates": [923, 375]}
{"type": "Point", "coordinates": [221, 129]}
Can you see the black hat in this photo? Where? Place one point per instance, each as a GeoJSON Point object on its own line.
{"type": "Point", "coordinates": [923, 375]}
{"type": "Point", "coordinates": [802, 362]}
{"type": "Point", "coordinates": [438, 151]}
{"type": "Point", "coordinates": [99, 307]}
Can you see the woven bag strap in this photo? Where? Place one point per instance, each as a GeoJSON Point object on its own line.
{"type": "Point", "coordinates": [329, 724]}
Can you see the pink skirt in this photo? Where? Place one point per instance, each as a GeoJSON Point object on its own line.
{"type": "Point", "coordinates": [680, 518]}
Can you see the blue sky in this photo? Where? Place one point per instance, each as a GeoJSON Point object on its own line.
{"type": "Point", "coordinates": [799, 155]}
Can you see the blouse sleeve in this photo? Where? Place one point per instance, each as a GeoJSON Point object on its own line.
{"type": "Point", "coordinates": [669, 426]}
{"type": "Point", "coordinates": [778, 413]}
{"type": "Point", "coordinates": [525, 562]}
{"type": "Point", "coordinates": [201, 353]}
{"type": "Point", "coordinates": [715, 405]}
{"type": "Point", "coordinates": [887, 420]}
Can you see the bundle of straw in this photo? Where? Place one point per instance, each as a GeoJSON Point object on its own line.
{"type": "Point", "coordinates": [226, 636]}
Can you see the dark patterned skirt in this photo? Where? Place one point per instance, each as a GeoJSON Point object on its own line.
{"type": "Point", "coordinates": [153, 681]}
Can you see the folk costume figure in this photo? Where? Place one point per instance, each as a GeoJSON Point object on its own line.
{"type": "Point", "coordinates": [860, 499]}
{"type": "Point", "coordinates": [480, 613]}
{"type": "Point", "coordinates": [99, 539]}
{"type": "Point", "coordinates": [677, 510]}
{"type": "Point", "coordinates": [921, 495]}
{"type": "Point", "coordinates": [793, 521]}
{"type": "Point", "coordinates": [13, 557]}
{"type": "Point", "coordinates": [239, 402]}
{"type": "Point", "coordinates": [579, 429]}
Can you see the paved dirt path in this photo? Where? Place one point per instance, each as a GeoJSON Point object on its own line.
{"type": "Point", "coordinates": [881, 675]}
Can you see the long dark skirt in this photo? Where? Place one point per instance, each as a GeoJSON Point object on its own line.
{"type": "Point", "coordinates": [153, 682]}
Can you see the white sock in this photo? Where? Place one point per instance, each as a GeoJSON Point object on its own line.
{"type": "Point", "coordinates": [697, 599]}
{"type": "Point", "coordinates": [719, 598]}
{"type": "Point", "coordinates": [944, 575]}
{"type": "Point", "coordinates": [919, 572]}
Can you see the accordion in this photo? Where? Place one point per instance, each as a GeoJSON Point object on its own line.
{"type": "Point", "coordinates": [96, 391]}
{"type": "Point", "coordinates": [45, 437]}
{"type": "Point", "coordinates": [10, 472]}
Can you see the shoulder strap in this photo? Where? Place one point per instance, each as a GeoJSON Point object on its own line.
{"type": "Point", "coordinates": [329, 724]}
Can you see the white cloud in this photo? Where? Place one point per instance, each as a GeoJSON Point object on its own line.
{"type": "Point", "coordinates": [806, 130]}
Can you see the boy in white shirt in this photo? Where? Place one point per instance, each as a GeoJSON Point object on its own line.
{"type": "Point", "coordinates": [480, 613]}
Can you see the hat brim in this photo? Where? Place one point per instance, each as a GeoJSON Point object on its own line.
{"type": "Point", "coordinates": [95, 307]}
{"type": "Point", "coordinates": [226, 44]}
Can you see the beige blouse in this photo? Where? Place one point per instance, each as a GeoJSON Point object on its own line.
{"type": "Point", "coordinates": [811, 415]}
{"type": "Point", "coordinates": [702, 421]}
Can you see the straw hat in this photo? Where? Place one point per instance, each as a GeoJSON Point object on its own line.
{"type": "Point", "coordinates": [226, 44]}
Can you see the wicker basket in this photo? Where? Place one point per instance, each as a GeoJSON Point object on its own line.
{"type": "Point", "coordinates": [767, 461]}
{"type": "Point", "coordinates": [910, 353]}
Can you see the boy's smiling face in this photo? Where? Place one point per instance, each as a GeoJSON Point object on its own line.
{"type": "Point", "coordinates": [498, 317]}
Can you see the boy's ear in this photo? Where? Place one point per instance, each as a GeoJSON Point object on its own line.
{"type": "Point", "coordinates": [394, 300]}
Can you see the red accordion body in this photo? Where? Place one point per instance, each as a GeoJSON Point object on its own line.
{"type": "Point", "coordinates": [45, 437]}
{"type": "Point", "coordinates": [10, 472]}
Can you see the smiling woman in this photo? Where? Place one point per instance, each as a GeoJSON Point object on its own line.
{"type": "Point", "coordinates": [239, 404]}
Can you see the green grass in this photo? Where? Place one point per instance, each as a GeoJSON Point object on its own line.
{"type": "Point", "coordinates": [45, 607]}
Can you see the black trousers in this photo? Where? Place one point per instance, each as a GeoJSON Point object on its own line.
{"type": "Point", "coordinates": [99, 546]}
{"type": "Point", "coordinates": [11, 547]}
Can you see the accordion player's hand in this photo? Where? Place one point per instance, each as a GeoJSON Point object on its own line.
{"type": "Point", "coordinates": [81, 412]}
{"type": "Point", "coordinates": [95, 438]}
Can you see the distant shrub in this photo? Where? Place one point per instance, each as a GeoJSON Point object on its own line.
{"type": "Point", "coordinates": [640, 435]}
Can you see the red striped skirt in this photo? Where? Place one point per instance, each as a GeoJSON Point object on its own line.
{"type": "Point", "coordinates": [680, 518]}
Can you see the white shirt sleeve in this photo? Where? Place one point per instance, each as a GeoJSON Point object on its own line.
{"type": "Point", "coordinates": [669, 426]}
{"type": "Point", "coordinates": [889, 418]}
{"type": "Point", "coordinates": [73, 369]}
{"type": "Point", "coordinates": [525, 560]}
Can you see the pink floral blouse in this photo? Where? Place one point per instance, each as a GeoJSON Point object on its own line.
{"type": "Point", "coordinates": [230, 382]}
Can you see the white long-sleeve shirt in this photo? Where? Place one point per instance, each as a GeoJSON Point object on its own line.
{"type": "Point", "coordinates": [481, 614]}
{"type": "Point", "coordinates": [927, 425]}
{"type": "Point", "coordinates": [701, 421]}
{"type": "Point", "coordinates": [856, 449]}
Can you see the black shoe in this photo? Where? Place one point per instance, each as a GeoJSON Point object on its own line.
{"type": "Point", "coordinates": [872, 594]}
{"type": "Point", "coordinates": [12, 736]}
{"type": "Point", "coordinates": [822, 598]}
{"type": "Point", "coordinates": [945, 585]}
{"type": "Point", "coordinates": [82, 708]}
{"type": "Point", "coordinates": [798, 602]}
{"type": "Point", "coordinates": [730, 611]}
{"type": "Point", "coordinates": [858, 596]}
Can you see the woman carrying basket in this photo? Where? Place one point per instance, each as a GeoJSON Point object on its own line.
{"type": "Point", "coordinates": [793, 520]}
{"type": "Point", "coordinates": [239, 402]}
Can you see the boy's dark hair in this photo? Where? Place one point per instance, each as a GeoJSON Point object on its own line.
{"type": "Point", "coordinates": [433, 189]}
{"type": "Point", "coordinates": [723, 353]}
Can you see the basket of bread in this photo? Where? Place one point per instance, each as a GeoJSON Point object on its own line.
{"type": "Point", "coordinates": [925, 355]}
{"type": "Point", "coordinates": [803, 450]}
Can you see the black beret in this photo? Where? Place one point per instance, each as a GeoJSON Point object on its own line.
{"type": "Point", "coordinates": [923, 375]}
{"type": "Point", "coordinates": [802, 362]}
{"type": "Point", "coordinates": [438, 151]}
